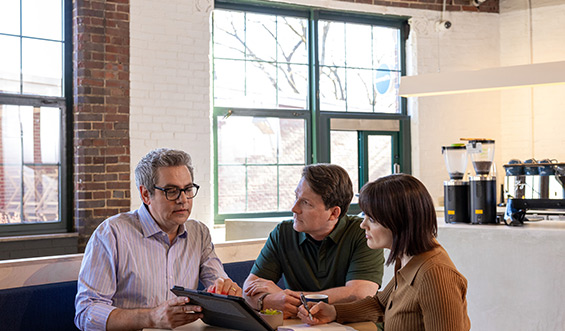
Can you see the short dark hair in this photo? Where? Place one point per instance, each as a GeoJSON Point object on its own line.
{"type": "Point", "coordinates": [332, 183]}
{"type": "Point", "coordinates": [402, 204]}
{"type": "Point", "coordinates": [146, 170]}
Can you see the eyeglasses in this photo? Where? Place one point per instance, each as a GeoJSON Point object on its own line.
{"type": "Point", "coordinates": [173, 193]}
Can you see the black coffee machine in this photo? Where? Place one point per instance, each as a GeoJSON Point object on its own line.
{"type": "Point", "coordinates": [456, 190]}
{"type": "Point", "coordinates": [482, 186]}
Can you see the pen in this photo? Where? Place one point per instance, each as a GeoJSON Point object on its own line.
{"type": "Point", "coordinates": [305, 304]}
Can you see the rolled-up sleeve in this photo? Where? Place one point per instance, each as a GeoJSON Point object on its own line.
{"type": "Point", "coordinates": [96, 283]}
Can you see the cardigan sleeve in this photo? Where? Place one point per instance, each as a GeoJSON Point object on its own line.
{"type": "Point", "coordinates": [368, 309]}
{"type": "Point", "coordinates": [442, 300]}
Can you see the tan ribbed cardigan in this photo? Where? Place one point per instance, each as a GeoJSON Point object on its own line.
{"type": "Point", "coordinates": [426, 294]}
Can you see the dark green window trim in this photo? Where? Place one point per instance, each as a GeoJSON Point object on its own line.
{"type": "Point", "coordinates": [318, 129]}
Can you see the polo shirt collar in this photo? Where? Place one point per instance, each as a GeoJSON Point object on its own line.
{"type": "Point", "coordinates": [150, 227]}
{"type": "Point", "coordinates": [334, 236]}
{"type": "Point", "coordinates": [410, 270]}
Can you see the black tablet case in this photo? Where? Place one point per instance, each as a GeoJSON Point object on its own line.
{"type": "Point", "coordinates": [225, 311]}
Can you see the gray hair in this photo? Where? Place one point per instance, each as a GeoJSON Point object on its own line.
{"type": "Point", "coordinates": [146, 170]}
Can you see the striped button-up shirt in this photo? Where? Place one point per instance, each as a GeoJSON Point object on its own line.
{"type": "Point", "coordinates": [129, 263]}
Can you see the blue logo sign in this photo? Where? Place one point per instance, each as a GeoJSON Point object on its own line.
{"type": "Point", "coordinates": [382, 79]}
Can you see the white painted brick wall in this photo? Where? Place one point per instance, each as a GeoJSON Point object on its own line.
{"type": "Point", "coordinates": [170, 87]}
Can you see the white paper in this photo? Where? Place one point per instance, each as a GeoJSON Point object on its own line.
{"type": "Point", "coordinates": [322, 327]}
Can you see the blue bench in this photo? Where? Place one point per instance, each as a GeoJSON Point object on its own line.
{"type": "Point", "coordinates": [52, 306]}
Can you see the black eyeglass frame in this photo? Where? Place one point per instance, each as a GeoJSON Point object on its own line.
{"type": "Point", "coordinates": [167, 190]}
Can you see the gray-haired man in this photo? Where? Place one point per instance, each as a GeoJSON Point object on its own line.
{"type": "Point", "coordinates": [134, 258]}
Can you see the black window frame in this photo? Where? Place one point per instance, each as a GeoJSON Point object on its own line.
{"type": "Point", "coordinates": [65, 104]}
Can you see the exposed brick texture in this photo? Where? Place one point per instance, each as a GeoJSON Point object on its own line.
{"type": "Point", "coordinates": [101, 112]}
{"type": "Point", "coordinates": [489, 6]}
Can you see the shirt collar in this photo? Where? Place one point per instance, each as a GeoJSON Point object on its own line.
{"type": "Point", "coordinates": [150, 227]}
{"type": "Point", "coordinates": [335, 235]}
{"type": "Point", "coordinates": [410, 270]}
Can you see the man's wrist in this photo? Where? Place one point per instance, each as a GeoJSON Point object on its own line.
{"type": "Point", "coordinates": [261, 301]}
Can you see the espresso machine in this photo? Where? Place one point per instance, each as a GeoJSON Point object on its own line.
{"type": "Point", "coordinates": [456, 190]}
{"type": "Point", "coordinates": [482, 186]}
{"type": "Point", "coordinates": [533, 185]}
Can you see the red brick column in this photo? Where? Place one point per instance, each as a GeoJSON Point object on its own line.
{"type": "Point", "coordinates": [100, 113]}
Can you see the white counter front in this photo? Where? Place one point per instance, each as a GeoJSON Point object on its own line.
{"type": "Point", "coordinates": [516, 275]}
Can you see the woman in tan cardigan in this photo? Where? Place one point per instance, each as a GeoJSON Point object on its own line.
{"type": "Point", "coordinates": [427, 292]}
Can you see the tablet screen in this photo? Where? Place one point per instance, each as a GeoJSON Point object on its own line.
{"type": "Point", "coordinates": [224, 310]}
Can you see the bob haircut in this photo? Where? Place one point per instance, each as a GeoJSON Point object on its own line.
{"type": "Point", "coordinates": [332, 183]}
{"type": "Point", "coordinates": [146, 170]}
{"type": "Point", "coordinates": [402, 204]}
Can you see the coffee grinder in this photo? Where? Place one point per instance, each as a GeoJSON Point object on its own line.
{"type": "Point", "coordinates": [482, 186]}
{"type": "Point", "coordinates": [456, 190]}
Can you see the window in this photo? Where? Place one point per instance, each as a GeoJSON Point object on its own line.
{"type": "Point", "coordinates": [32, 113]}
{"type": "Point", "coordinates": [295, 86]}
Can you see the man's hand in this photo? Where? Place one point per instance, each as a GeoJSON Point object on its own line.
{"type": "Point", "coordinates": [225, 286]}
{"type": "Point", "coordinates": [173, 313]}
{"type": "Point", "coordinates": [286, 300]}
{"type": "Point", "coordinates": [261, 285]}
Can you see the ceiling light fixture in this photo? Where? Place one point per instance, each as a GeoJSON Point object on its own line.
{"type": "Point", "coordinates": [548, 73]}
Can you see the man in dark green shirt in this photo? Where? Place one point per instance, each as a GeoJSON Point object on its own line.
{"type": "Point", "coordinates": [322, 250]}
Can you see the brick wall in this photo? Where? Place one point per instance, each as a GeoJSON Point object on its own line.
{"type": "Point", "coordinates": [489, 6]}
{"type": "Point", "coordinates": [101, 112]}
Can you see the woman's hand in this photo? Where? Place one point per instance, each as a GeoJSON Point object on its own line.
{"type": "Point", "coordinates": [321, 313]}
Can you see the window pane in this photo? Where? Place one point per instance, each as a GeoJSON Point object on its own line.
{"type": "Point", "coordinates": [293, 136]}
{"type": "Point", "coordinates": [347, 53]}
{"type": "Point", "coordinates": [344, 152]}
{"type": "Point", "coordinates": [380, 156]}
{"type": "Point", "coordinates": [271, 71]}
{"type": "Point", "coordinates": [292, 40]}
{"type": "Point", "coordinates": [331, 43]}
{"type": "Point", "coordinates": [260, 37]}
{"type": "Point", "coordinates": [260, 80]}
{"type": "Point", "coordinates": [332, 89]}
{"type": "Point", "coordinates": [360, 91]}
{"type": "Point", "coordinates": [41, 134]}
{"type": "Point", "coordinates": [42, 19]}
{"type": "Point", "coordinates": [255, 155]}
{"type": "Point", "coordinates": [293, 86]}
{"type": "Point", "coordinates": [262, 189]}
{"type": "Point", "coordinates": [227, 43]}
{"type": "Point", "coordinates": [358, 46]}
{"type": "Point", "coordinates": [387, 99]}
{"type": "Point", "coordinates": [42, 67]}
{"type": "Point", "coordinates": [10, 193]}
{"type": "Point", "coordinates": [41, 194]}
{"type": "Point", "coordinates": [386, 47]}
{"type": "Point", "coordinates": [231, 189]}
{"type": "Point", "coordinates": [29, 145]}
{"type": "Point", "coordinates": [10, 17]}
{"type": "Point", "coordinates": [289, 178]}
{"type": "Point", "coordinates": [10, 64]}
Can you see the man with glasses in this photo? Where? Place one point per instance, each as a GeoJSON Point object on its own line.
{"type": "Point", "coordinates": [133, 259]}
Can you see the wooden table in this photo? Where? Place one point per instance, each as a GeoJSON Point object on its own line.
{"type": "Point", "coordinates": [201, 326]}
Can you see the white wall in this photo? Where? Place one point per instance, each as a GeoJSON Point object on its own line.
{"type": "Point", "coordinates": [532, 118]}
{"type": "Point", "coordinates": [170, 87]}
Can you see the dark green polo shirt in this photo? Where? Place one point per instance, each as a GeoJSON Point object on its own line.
{"type": "Point", "coordinates": [310, 265]}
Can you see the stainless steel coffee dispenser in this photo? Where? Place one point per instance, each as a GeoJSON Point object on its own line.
{"type": "Point", "coordinates": [482, 186]}
{"type": "Point", "coordinates": [456, 190]}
